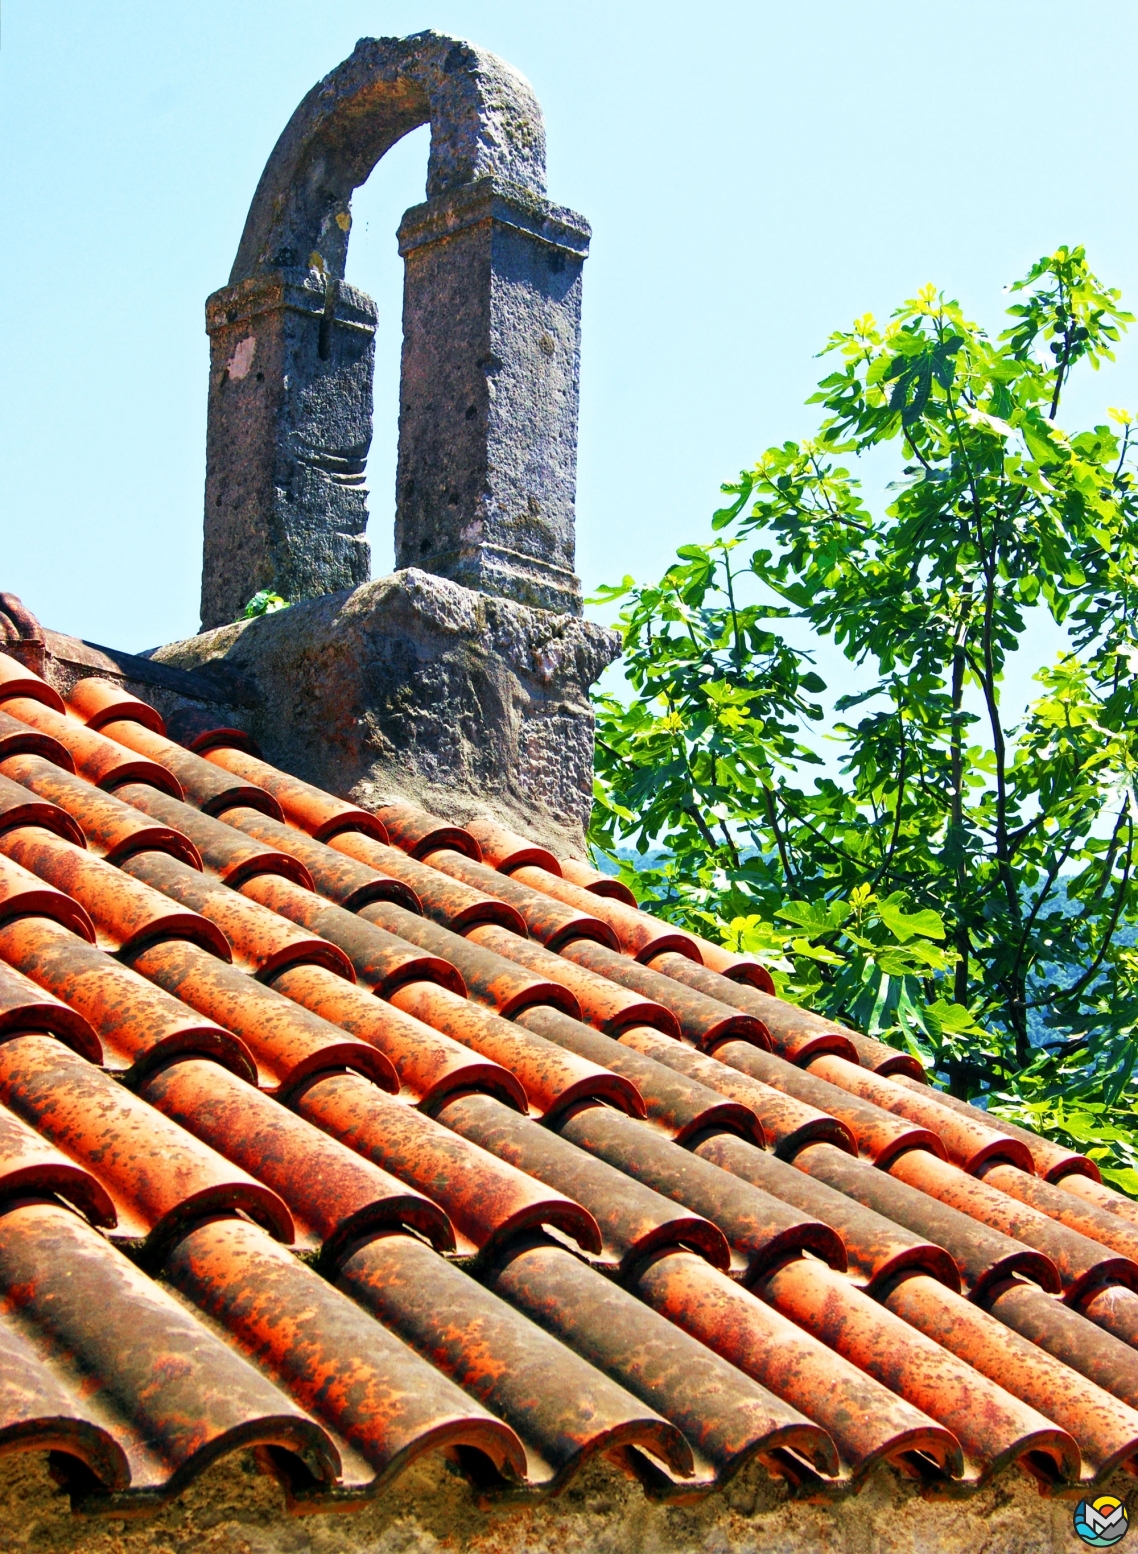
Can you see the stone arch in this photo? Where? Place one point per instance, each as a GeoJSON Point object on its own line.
{"type": "Point", "coordinates": [491, 330]}
{"type": "Point", "coordinates": [485, 123]}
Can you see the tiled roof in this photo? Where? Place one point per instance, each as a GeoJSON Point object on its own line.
{"type": "Point", "coordinates": [352, 1136]}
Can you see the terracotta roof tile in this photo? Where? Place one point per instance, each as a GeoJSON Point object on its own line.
{"type": "Point", "coordinates": [138, 1024]}
{"type": "Point", "coordinates": [309, 808]}
{"type": "Point", "coordinates": [449, 902]}
{"type": "Point", "coordinates": [1081, 1262]}
{"type": "Point", "coordinates": [881, 1059]}
{"type": "Point", "coordinates": [681, 1106]}
{"type": "Point", "coordinates": [762, 1231]}
{"type": "Point", "coordinates": [262, 942]}
{"type": "Point", "coordinates": [110, 828]}
{"type": "Point", "coordinates": [563, 1409]}
{"type": "Point", "coordinates": [24, 894]}
{"type": "Point", "coordinates": [982, 1255]}
{"type": "Point", "coordinates": [968, 1142]}
{"type": "Point", "coordinates": [126, 913]}
{"type": "Point", "coordinates": [1091, 1190]}
{"type": "Point", "coordinates": [436, 939]}
{"type": "Point", "coordinates": [171, 1395]}
{"type": "Point", "coordinates": [287, 1042]}
{"type": "Point", "coordinates": [17, 738]}
{"type": "Point", "coordinates": [1050, 1160]}
{"type": "Point", "coordinates": [993, 1425]}
{"type": "Point", "coordinates": [607, 1005]}
{"type": "Point", "coordinates": [789, 1123]}
{"type": "Point", "coordinates": [1114, 1307]}
{"type": "Point", "coordinates": [18, 682]}
{"type": "Point", "coordinates": [158, 1176]}
{"type": "Point", "coordinates": [1088, 1219]}
{"type": "Point", "coordinates": [313, 1343]}
{"type": "Point", "coordinates": [430, 1064]}
{"type": "Point", "coordinates": [493, 979]}
{"type": "Point", "coordinates": [1067, 1336]}
{"type": "Point", "coordinates": [100, 760]}
{"type": "Point", "coordinates": [344, 880]}
{"type": "Point", "coordinates": [551, 923]}
{"type": "Point", "coordinates": [24, 1006]}
{"type": "Point", "coordinates": [231, 855]}
{"type": "Point", "coordinates": [419, 833]}
{"type": "Point", "coordinates": [489, 1200]}
{"type": "Point", "coordinates": [31, 1167]}
{"type": "Point", "coordinates": [652, 1270]}
{"type": "Point", "coordinates": [37, 1412]}
{"type": "Point", "coordinates": [506, 850]}
{"type": "Point", "coordinates": [704, 1021]}
{"type": "Point", "coordinates": [736, 968]}
{"type": "Point", "coordinates": [18, 807]}
{"type": "Point", "coordinates": [795, 1034]}
{"type": "Point", "coordinates": [552, 1078]}
{"type": "Point", "coordinates": [868, 1422]}
{"type": "Point", "coordinates": [381, 960]}
{"type": "Point", "coordinates": [877, 1249]}
{"type": "Point", "coordinates": [334, 1194]}
{"type": "Point", "coordinates": [880, 1135]}
{"type": "Point", "coordinates": [578, 873]}
{"type": "Point", "coordinates": [636, 933]}
{"type": "Point", "coordinates": [99, 702]}
{"type": "Point", "coordinates": [1105, 1428]}
{"type": "Point", "coordinates": [635, 1220]}
{"type": "Point", "coordinates": [210, 788]}
{"type": "Point", "coordinates": [198, 730]}
{"type": "Point", "coordinates": [728, 1417]}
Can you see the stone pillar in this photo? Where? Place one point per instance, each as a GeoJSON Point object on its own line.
{"type": "Point", "coordinates": [488, 414]}
{"type": "Point", "coordinates": [292, 361]}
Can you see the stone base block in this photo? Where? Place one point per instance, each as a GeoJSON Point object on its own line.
{"type": "Point", "coordinates": [413, 687]}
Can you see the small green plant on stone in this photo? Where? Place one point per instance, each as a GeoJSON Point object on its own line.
{"type": "Point", "coordinates": [264, 603]}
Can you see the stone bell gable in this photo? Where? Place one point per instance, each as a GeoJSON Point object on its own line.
{"type": "Point", "coordinates": [491, 316]}
{"type": "Point", "coordinates": [463, 679]}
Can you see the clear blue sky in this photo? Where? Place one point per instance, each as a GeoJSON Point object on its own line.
{"type": "Point", "coordinates": [755, 175]}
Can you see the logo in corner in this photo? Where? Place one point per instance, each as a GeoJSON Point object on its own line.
{"type": "Point", "coordinates": [1101, 1523]}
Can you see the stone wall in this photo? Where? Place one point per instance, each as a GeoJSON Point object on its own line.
{"type": "Point", "coordinates": [233, 1509]}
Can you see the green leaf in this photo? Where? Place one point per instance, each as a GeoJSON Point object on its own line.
{"type": "Point", "coordinates": [904, 925]}
{"type": "Point", "coordinates": [954, 1018]}
{"type": "Point", "coordinates": [1125, 1178]}
{"type": "Point", "coordinates": [264, 603]}
{"type": "Point", "coordinates": [818, 917]}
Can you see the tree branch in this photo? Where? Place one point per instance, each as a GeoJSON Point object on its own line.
{"type": "Point", "coordinates": [1064, 995]}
